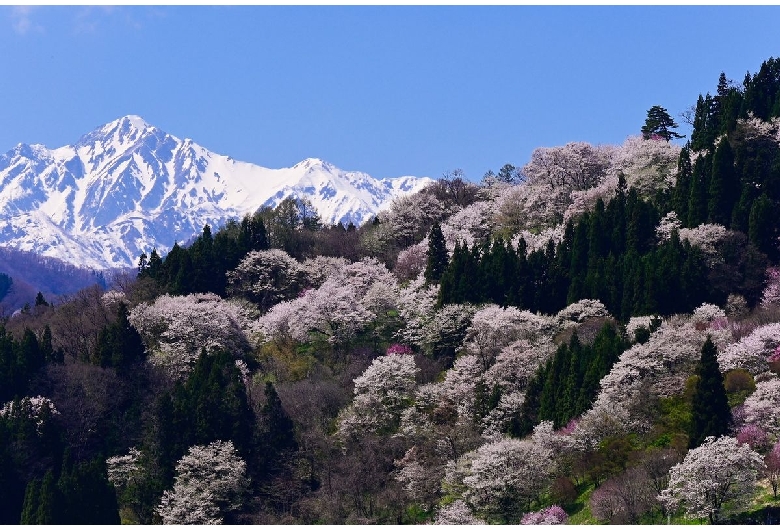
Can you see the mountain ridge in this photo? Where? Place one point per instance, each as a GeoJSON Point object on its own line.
{"type": "Point", "coordinates": [128, 186]}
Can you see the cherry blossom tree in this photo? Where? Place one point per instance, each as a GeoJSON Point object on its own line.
{"type": "Point", "coordinates": [708, 313]}
{"type": "Point", "coordinates": [381, 393]}
{"type": "Point", "coordinates": [574, 166]}
{"type": "Point", "coordinates": [751, 352]}
{"type": "Point", "coordinates": [266, 277]}
{"type": "Point", "coordinates": [718, 474]}
{"type": "Point", "coordinates": [771, 294]}
{"type": "Point", "coordinates": [550, 515]}
{"type": "Point", "coordinates": [762, 406]}
{"type": "Point", "coordinates": [175, 329]}
{"type": "Point", "coordinates": [320, 268]}
{"type": "Point", "coordinates": [443, 331]}
{"type": "Point", "coordinates": [665, 361]}
{"type": "Point", "coordinates": [416, 306]}
{"type": "Point", "coordinates": [580, 311]}
{"type": "Point", "coordinates": [456, 513]}
{"type": "Point", "coordinates": [772, 461]}
{"type": "Point", "coordinates": [124, 469]}
{"type": "Point", "coordinates": [36, 408]}
{"type": "Point", "coordinates": [668, 224]}
{"type": "Point", "coordinates": [647, 165]}
{"type": "Point", "coordinates": [210, 484]}
{"type": "Point", "coordinates": [411, 261]}
{"type": "Point", "coordinates": [501, 477]}
{"type": "Point", "coordinates": [754, 436]}
{"type": "Point", "coordinates": [493, 328]}
{"type": "Point", "coordinates": [473, 225]}
{"type": "Point", "coordinates": [410, 217]}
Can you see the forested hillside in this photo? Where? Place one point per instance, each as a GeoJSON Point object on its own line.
{"type": "Point", "coordinates": [591, 337]}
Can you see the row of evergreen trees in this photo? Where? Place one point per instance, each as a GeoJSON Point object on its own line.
{"type": "Point", "coordinates": [728, 174]}
{"type": "Point", "coordinates": [565, 387]}
{"type": "Point", "coordinates": [610, 254]}
{"type": "Point", "coordinates": [202, 266]}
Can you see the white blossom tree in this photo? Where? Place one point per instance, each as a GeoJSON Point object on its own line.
{"type": "Point", "coordinates": [320, 268]}
{"type": "Point", "coordinates": [381, 393]}
{"type": "Point", "coordinates": [752, 351]}
{"type": "Point", "coordinates": [210, 484]}
{"type": "Point", "coordinates": [123, 469]}
{"type": "Point", "coordinates": [771, 294]}
{"type": "Point", "coordinates": [718, 473]}
{"type": "Point", "coordinates": [580, 311]}
{"type": "Point", "coordinates": [503, 475]}
{"type": "Point", "coordinates": [456, 513]}
{"type": "Point", "coordinates": [175, 329]}
{"type": "Point", "coordinates": [36, 408]}
{"type": "Point", "coordinates": [266, 277]}
{"type": "Point", "coordinates": [472, 225]}
{"type": "Point", "coordinates": [493, 328]}
{"type": "Point", "coordinates": [647, 165]}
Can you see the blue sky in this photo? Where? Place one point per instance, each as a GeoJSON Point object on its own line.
{"type": "Point", "coordinates": [387, 90]}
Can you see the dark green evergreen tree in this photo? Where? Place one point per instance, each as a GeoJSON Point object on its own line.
{"type": "Point", "coordinates": [724, 186]}
{"type": "Point", "coordinates": [762, 225]}
{"type": "Point", "coordinates": [47, 505]}
{"type": "Point", "coordinates": [710, 414]}
{"type": "Point", "coordinates": [697, 202]}
{"type": "Point", "coordinates": [119, 345]}
{"type": "Point", "coordinates": [30, 506]}
{"type": "Point", "coordinates": [40, 301]}
{"type": "Point", "coordinates": [437, 255]}
{"type": "Point", "coordinates": [659, 123]}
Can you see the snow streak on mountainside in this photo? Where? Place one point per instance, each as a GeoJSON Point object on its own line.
{"type": "Point", "coordinates": [127, 187]}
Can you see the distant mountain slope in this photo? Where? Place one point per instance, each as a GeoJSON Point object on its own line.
{"type": "Point", "coordinates": [32, 273]}
{"type": "Point", "coordinates": [128, 186]}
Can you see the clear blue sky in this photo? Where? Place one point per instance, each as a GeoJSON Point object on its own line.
{"type": "Point", "coordinates": [387, 90]}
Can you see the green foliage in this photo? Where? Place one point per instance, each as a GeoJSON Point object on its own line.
{"type": "Point", "coordinates": [710, 414]}
{"type": "Point", "coordinates": [437, 255]}
{"type": "Point", "coordinates": [659, 124]}
{"type": "Point", "coordinates": [566, 385]}
{"type": "Point", "coordinates": [19, 361]}
{"type": "Point", "coordinates": [278, 437]}
{"type": "Point", "coordinates": [739, 384]}
{"type": "Point", "coordinates": [119, 345]}
{"type": "Point", "coordinates": [202, 267]}
{"type": "Point", "coordinates": [81, 495]}
{"type": "Point", "coordinates": [609, 254]}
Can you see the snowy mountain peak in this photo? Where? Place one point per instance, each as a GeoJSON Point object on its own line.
{"type": "Point", "coordinates": [311, 164]}
{"type": "Point", "coordinates": [127, 187]}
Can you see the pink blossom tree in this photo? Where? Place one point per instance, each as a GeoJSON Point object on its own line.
{"type": "Point", "coordinates": [772, 461]}
{"type": "Point", "coordinates": [771, 294]}
{"type": "Point", "coordinates": [550, 515]}
{"type": "Point", "coordinates": [762, 406]}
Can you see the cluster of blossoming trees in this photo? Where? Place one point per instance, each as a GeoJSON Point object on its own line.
{"type": "Point", "coordinates": [545, 348]}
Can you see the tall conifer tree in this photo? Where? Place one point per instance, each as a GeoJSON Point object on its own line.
{"type": "Point", "coordinates": [710, 415]}
{"type": "Point", "coordinates": [437, 255]}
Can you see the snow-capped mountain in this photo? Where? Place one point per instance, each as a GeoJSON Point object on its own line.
{"type": "Point", "coordinates": [127, 187]}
